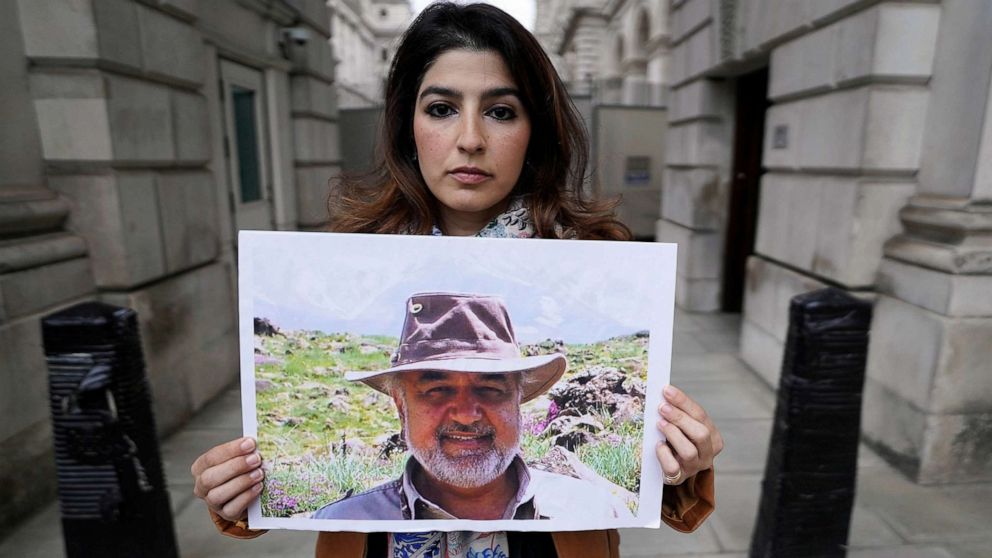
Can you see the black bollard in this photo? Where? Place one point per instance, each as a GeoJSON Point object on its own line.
{"type": "Point", "coordinates": [809, 484]}
{"type": "Point", "coordinates": [111, 487]}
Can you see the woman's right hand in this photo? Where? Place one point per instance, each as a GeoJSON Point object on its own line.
{"type": "Point", "coordinates": [228, 477]}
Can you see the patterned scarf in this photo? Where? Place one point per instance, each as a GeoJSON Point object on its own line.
{"type": "Point", "coordinates": [457, 544]}
{"type": "Point", "coordinates": [515, 222]}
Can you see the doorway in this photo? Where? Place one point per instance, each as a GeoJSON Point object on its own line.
{"type": "Point", "coordinates": [745, 186]}
{"type": "Point", "coordinates": [246, 149]}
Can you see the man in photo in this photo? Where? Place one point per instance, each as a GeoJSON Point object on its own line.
{"type": "Point", "coordinates": [458, 380]}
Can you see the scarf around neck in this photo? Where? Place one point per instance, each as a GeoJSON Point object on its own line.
{"type": "Point", "coordinates": [514, 222]}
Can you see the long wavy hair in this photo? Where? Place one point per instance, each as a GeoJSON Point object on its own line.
{"type": "Point", "coordinates": [393, 197]}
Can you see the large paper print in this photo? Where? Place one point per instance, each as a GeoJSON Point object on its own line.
{"type": "Point", "coordinates": [409, 384]}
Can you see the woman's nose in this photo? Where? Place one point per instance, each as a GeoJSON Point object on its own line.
{"type": "Point", "coordinates": [471, 138]}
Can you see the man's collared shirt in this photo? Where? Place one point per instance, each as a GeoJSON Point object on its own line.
{"type": "Point", "coordinates": [540, 495]}
{"type": "Point", "coordinates": [521, 507]}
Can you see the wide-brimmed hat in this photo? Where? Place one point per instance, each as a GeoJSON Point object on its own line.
{"type": "Point", "coordinates": [454, 332]}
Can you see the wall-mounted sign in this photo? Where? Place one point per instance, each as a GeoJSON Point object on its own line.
{"type": "Point", "coordinates": [637, 171]}
{"type": "Point", "coordinates": [780, 137]}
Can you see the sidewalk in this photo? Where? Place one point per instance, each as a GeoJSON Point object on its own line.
{"type": "Point", "coordinates": [893, 517]}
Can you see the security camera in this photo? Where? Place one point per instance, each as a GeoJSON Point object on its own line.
{"type": "Point", "coordinates": [299, 35]}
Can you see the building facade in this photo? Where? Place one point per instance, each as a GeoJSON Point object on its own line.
{"type": "Point", "coordinates": [615, 50]}
{"type": "Point", "coordinates": [846, 143]}
{"type": "Point", "coordinates": [364, 37]}
{"type": "Point", "coordinates": [136, 138]}
{"type": "Point", "coordinates": [843, 143]}
{"type": "Point", "coordinates": [613, 56]}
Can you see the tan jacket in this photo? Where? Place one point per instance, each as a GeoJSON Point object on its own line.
{"type": "Point", "coordinates": [683, 508]}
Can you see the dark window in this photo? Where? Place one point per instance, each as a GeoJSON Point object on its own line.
{"type": "Point", "coordinates": [246, 132]}
{"type": "Point", "coordinates": [383, 12]}
{"type": "Point", "coordinates": [385, 55]}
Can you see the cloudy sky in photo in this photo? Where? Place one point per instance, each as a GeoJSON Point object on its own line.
{"type": "Point", "coordinates": [523, 10]}
{"type": "Point", "coordinates": [577, 291]}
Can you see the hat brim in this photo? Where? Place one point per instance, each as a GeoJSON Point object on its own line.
{"type": "Point", "coordinates": [540, 372]}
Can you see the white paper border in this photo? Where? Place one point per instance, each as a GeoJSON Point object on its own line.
{"type": "Point", "coordinates": [660, 259]}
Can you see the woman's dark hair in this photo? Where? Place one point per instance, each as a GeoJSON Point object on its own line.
{"type": "Point", "coordinates": [394, 198]}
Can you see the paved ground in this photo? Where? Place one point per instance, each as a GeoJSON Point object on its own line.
{"type": "Point", "coordinates": [892, 518]}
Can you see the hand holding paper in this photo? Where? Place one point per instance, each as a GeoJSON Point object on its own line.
{"type": "Point", "coordinates": [228, 477]}
{"type": "Point", "coordinates": [692, 438]}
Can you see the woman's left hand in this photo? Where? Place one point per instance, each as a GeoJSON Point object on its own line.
{"type": "Point", "coordinates": [693, 439]}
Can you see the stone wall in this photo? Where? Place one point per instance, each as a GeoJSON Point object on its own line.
{"type": "Point", "coordinates": [874, 182]}
{"type": "Point", "coordinates": [698, 158]}
{"type": "Point", "coordinates": [586, 42]}
{"type": "Point", "coordinates": [125, 137]}
{"type": "Point", "coordinates": [848, 92]}
{"type": "Point", "coordinates": [623, 133]}
{"type": "Point", "coordinates": [613, 54]}
{"type": "Point", "coordinates": [928, 395]}
{"type": "Point", "coordinates": [643, 28]}
{"type": "Point", "coordinates": [121, 191]}
{"type": "Point", "coordinates": [314, 104]}
{"type": "Point", "coordinates": [615, 50]}
{"type": "Point", "coordinates": [42, 269]}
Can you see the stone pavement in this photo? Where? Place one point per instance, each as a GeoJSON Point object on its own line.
{"type": "Point", "coordinates": [893, 517]}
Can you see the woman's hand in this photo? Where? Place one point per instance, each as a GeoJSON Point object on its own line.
{"type": "Point", "coordinates": [692, 438]}
{"type": "Point", "coordinates": [228, 477]}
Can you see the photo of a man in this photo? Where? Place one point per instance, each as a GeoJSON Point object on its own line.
{"type": "Point", "coordinates": [457, 381]}
{"type": "Point", "coordinates": [445, 384]}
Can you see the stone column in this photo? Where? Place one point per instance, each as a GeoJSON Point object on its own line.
{"type": "Point", "coordinates": [659, 56]}
{"type": "Point", "coordinates": [928, 396]}
{"type": "Point", "coordinates": [698, 155]}
{"type": "Point", "coordinates": [588, 42]}
{"type": "Point", "coordinates": [657, 75]}
{"type": "Point", "coordinates": [635, 82]}
{"type": "Point", "coordinates": [317, 152]}
{"type": "Point", "coordinates": [42, 267]}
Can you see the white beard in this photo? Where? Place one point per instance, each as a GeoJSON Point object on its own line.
{"type": "Point", "coordinates": [468, 471]}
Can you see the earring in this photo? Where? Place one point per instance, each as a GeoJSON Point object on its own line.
{"type": "Point", "coordinates": [415, 156]}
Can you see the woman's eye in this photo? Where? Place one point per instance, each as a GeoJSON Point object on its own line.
{"type": "Point", "coordinates": [440, 110]}
{"type": "Point", "coordinates": [502, 113]}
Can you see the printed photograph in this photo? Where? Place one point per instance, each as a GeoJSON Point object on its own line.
{"type": "Point", "coordinates": [429, 380]}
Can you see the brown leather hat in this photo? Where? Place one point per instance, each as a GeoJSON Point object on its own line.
{"type": "Point", "coordinates": [455, 332]}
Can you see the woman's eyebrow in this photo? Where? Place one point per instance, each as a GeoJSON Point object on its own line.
{"type": "Point", "coordinates": [454, 93]}
{"type": "Point", "coordinates": [442, 91]}
{"type": "Point", "coordinates": [501, 92]}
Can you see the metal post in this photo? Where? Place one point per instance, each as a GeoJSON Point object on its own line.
{"type": "Point", "coordinates": [111, 486]}
{"type": "Point", "coordinates": [808, 489]}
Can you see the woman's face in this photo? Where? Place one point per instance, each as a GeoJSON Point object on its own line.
{"type": "Point", "coordinates": [471, 132]}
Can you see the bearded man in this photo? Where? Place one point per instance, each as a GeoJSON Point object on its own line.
{"type": "Point", "coordinates": [457, 381]}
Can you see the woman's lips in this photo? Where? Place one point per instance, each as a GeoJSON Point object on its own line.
{"type": "Point", "coordinates": [469, 177]}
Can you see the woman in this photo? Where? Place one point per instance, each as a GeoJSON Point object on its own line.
{"type": "Point", "coordinates": [480, 138]}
